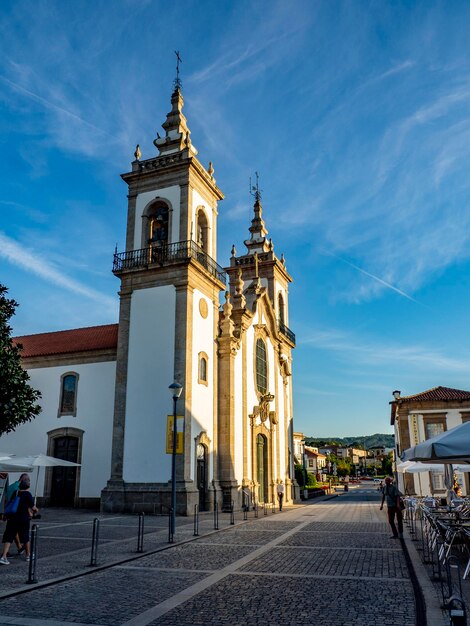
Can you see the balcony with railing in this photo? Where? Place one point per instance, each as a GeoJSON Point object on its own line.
{"type": "Point", "coordinates": [167, 254]}
{"type": "Point", "coordinates": [286, 332]}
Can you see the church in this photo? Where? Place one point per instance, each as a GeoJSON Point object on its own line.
{"type": "Point", "coordinates": [105, 397]}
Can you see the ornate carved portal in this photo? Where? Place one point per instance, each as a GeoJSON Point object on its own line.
{"type": "Point", "coordinates": [262, 450]}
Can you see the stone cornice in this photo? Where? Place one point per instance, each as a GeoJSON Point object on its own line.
{"type": "Point", "coordinates": [70, 358]}
{"type": "Point", "coordinates": [168, 163]}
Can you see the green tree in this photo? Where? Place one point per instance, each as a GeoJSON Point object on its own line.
{"type": "Point", "coordinates": [18, 400]}
{"type": "Point", "coordinates": [387, 464]}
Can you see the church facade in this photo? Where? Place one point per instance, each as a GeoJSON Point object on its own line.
{"type": "Point", "coordinates": [105, 394]}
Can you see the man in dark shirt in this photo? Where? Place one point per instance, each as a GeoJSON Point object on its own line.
{"type": "Point", "coordinates": [392, 496]}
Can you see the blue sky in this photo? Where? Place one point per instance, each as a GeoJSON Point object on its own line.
{"type": "Point", "coordinates": [356, 115]}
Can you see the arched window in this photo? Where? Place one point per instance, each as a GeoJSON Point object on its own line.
{"type": "Point", "coordinates": [202, 369]}
{"type": "Point", "coordinates": [68, 394]}
{"type": "Point", "coordinates": [202, 231]}
{"type": "Point", "coordinates": [282, 317]}
{"type": "Point", "coordinates": [261, 367]}
{"type": "Point", "coordinates": [158, 218]}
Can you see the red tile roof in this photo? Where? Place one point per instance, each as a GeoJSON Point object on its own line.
{"type": "Point", "coordinates": [67, 341]}
{"type": "Point", "coordinates": [446, 394]}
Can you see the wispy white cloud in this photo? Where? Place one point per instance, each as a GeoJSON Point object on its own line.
{"type": "Point", "coordinates": [33, 262]}
{"type": "Point", "coordinates": [48, 104]}
{"type": "Point", "coordinates": [382, 282]}
{"type": "Point", "coordinates": [371, 352]}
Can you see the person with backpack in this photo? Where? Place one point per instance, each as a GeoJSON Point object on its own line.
{"type": "Point", "coordinates": [19, 521]}
{"type": "Point", "coordinates": [391, 494]}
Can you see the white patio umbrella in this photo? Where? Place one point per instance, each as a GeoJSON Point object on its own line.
{"type": "Point", "coordinates": [9, 465]}
{"type": "Point", "coordinates": [451, 446]}
{"type": "Point", "coordinates": [416, 467]}
{"type": "Point", "coordinates": [38, 461]}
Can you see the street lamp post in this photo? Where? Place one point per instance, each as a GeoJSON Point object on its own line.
{"type": "Point", "coordinates": [175, 390]}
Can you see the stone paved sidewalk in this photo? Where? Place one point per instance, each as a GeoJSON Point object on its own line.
{"type": "Point", "coordinates": [330, 563]}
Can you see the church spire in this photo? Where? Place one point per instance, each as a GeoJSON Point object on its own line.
{"type": "Point", "coordinates": [258, 230]}
{"type": "Point", "coordinates": [177, 133]}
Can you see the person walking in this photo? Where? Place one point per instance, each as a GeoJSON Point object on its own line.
{"type": "Point", "coordinates": [18, 523]}
{"type": "Point", "coordinates": [280, 493]}
{"type": "Point", "coordinates": [391, 495]}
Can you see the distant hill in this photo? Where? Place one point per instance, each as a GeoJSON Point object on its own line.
{"type": "Point", "coordinates": [368, 441]}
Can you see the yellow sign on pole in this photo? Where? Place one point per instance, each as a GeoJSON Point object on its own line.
{"type": "Point", "coordinates": [179, 434]}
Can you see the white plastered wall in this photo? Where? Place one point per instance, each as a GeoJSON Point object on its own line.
{"type": "Point", "coordinates": [95, 406]}
{"type": "Point", "coordinates": [150, 372]}
{"type": "Point", "coordinates": [202, 401]}
{"type": "Point", "coordinates": [172, 194]}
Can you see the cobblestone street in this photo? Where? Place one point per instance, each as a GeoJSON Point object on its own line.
{"type": "Point", "coordinates": [329, 562]}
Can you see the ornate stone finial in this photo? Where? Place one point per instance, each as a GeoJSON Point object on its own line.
{"type": "Point", "coordinates": [270, 245]}
{"type": "Point", "coordinates": [227, 325]}
{"type": "Point", "coordinates": [187, 140]}
{"type": "Point", "coordinates": [283, 261]}
{"type": "Point", "coordinates": [239, 282]}
{"type": "Point", "coordinates": [239, 299]}
{"type": "Point", "coordinates": [256, 265]}
{"type": "Point", "coordinates": [137, 153]}
{"type": "Point", "coordinates": [234, 251]}
{"type": "Point", "coordinates": [227, 308]}
{"type": "Point", "coordinates": [210, 170]}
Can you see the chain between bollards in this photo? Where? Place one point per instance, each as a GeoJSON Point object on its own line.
{"type": "Point", "coordinates": [33, 556]}
{"type": "Point", "coordinates": [196, 520]}
{"type": "Point", "coordinates": [232, 513]}
{"type": "Point", "coordinates": [140, 535]}
{"type": "Point", "coordinates": [216, 515]}
{"type": "Point", "coordinates": [94, 542]}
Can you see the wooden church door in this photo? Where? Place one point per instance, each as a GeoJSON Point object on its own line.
{"type": "Point", "coordinates": [64, 479]}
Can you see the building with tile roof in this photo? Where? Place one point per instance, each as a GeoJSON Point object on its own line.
{"type": "Point", "coordinates": [421, 416]}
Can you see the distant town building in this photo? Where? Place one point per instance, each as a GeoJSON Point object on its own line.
{"type": "Point", "coordinates": [315, 461]}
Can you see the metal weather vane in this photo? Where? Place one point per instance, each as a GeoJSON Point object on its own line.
{"type": "Point", "coordinates": [255, 191]}
{"type": "Point", "coordinates": [178, 61]}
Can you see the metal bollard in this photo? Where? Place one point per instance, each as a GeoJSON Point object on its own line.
{"type": "Point", "coordinates": [216, 515]}
{"type": "Point", "coordinates": [140, 534]}
{"type": "Point", "coordinates": [171, 537]}
{"type": "Point", "coordinates": [33, 556]}
{"type": "Point", "coordinates": [196, 520]}
{"type": "Point", "coordinates": [265, 508]}
{"type": "Point", "coordinates": [273, 508]}
{"type": "Point", "coordinates": [94, 542]}
{"type": "Point", "coordinates": [232, 514]}
{"type": "Point", "coordinates": [245, 512]}
{"type": "Point", "coordinates": [256, 510]}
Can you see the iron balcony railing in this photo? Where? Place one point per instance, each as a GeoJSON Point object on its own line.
{"type": "Point", "coordinates": [287, 332]}
{"type": "Point", "coordinates": [166, 254]}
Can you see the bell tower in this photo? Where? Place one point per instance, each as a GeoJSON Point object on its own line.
{"type": "Point", "coordinates": [169, 300]}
